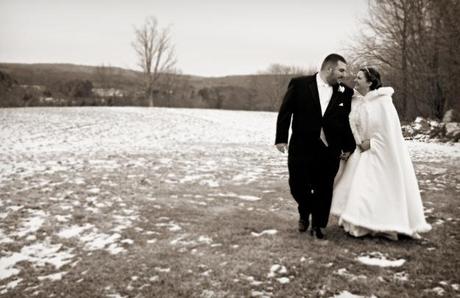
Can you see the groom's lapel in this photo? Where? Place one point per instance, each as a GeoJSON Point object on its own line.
{"type": "Point", "coordinates": [314, 91]}
{"type": "Point", "coordinates": [334, 97]}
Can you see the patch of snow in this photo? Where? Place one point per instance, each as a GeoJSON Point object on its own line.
{"type": "Point", "coordinates": [283, 270]}
{"type": "Point", "coordinates": [114, 249]}
{"type": "Point", "coordinates": [205, 239]}
{"type": "Point", "coordinates": [116, 295]}
{"type": "Point", "coordinates": [63, 218]}
{"type": "Point", "coordinates": [154, 278]}
{"type": "Point", "coordinates": [438, 222]}
{"type": "Point", "coordinates": [276, 269]}
{"type": "Point", "coordinates": [5, 239]}
{"type": "Point", "coordinates": [249, 198]}
{"type": "Point", "coordinates": [73, 231]}
{"type": "Point", "coordinates": [127, 241]}
{"type": "Point", "coordinates": [79, 181]}
{"type": "Point", "coordinates": [265, 232]}
{"type": "Point", "coordinates": [444, 283]}
{"type": "Point", "coordinates": [96, 241]}
{"type": "Point", "coordinates": [15, 208]}
{"type": "Point", "coordinates": [437, 290]}
{"type": "Point", "coordinates": [32, 224]}
{"type": "Point", "coordinates": [37, 253]}
{"type": "Point", "coordinates": [207, 272]}
{"type": "Point", "coordinates": [256, 283]}
{"type": "Point", "coordinates": [208, 294]}
{"type": "Point", "coordinates": [380, 261]}
{"type": "Point", "coordinates": [346, 294]}
{"type": "Point", "coordinates": [52, 277]}
{"type": "Point", "coordinates": [283, 280]}
{"type": "Point", "coordinates": [350, 276]}
{"type": "Point", "coordinates": [123, 222]}
{"type": "Point", "coordinates": [94, 190]}
{"type": "Point", "coordinates": [171, 226]}
{"type": "Point", "coordinates": [31, 238]}
{"type": "Point", "coordinates": [179, 240]}
{"type": "Point", "coordinates": [11, 285]}
{"type": "Point", "coordinates": [401, 276]}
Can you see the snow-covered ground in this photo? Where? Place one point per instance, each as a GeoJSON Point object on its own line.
{"type": "Point", "coordinates": [27, 134]}
{"type": "Point", "coordinates": [126, 129]}
{"type": "Point", "coordinates": [59, 166]}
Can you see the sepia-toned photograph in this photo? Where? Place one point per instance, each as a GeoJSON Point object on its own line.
{"type": "Point", "coordinates": [211, 148]}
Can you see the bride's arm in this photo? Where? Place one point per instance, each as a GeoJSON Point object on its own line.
{"type": "Point", "coordinates": [354, 120]}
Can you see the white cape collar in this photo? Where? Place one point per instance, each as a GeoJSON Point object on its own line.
{"type": "Point", "coordinates": [380, 92]}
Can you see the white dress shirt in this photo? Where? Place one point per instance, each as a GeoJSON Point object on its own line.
{"type": "Point", "coordinates": [325, 94]}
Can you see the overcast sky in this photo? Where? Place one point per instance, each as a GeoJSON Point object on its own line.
{"type": "Point", "coordinates": [212, 37]}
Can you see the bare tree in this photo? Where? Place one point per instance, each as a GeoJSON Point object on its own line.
{"type": "Point", "coordinates": [384, 43]}
{"type": "Point", "coordinates": [446, 57]}
{"type": "Point", "coordinates": [413, 42]}
{"type": "Point", "coordinates": [271, 83]}
{"type": "Point", "coordinates": [155, 52]}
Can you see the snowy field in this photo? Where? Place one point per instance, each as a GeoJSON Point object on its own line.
{"type": "Point", "coordinates": [86, 192]}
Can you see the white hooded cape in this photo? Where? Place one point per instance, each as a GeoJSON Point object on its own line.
{"type": "Point", "coordinates": [377, 190]}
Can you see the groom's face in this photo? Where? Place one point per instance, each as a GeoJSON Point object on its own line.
{"type": "Point", "coordinates": [337, 73]}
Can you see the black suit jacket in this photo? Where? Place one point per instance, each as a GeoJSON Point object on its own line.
{"type": "Point", "coordinates": [301, 103]}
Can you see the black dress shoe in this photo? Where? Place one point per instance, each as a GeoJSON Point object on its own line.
{"type": "Point", "coordinates": [303, 225]}
{"type": "Point", "coordinates": [315, 231]}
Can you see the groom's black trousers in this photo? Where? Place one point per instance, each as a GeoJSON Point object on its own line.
{"type": "Point", "coordinates": [311, 180]}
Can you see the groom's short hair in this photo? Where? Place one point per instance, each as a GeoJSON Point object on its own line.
{"type": "Point", "coordinates": [332, 59]}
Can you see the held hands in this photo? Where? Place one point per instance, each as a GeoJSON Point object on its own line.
{"type": "Point", "coordinates": [365, 145]}
{"type": "Point", "coordinates": [345, 156]}
{"type": "Point", "coordinates": [282, 147]}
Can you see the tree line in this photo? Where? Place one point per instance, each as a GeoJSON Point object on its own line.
{"type": "Point", "coordinates": [414, 44]}
{"type": "Point", "coordinates": [49, 85]}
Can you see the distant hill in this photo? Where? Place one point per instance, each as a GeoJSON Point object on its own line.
{"type": "Point", "coordinates": [247, 92]}
{"type": "Point", "coordinates": [43, 73]}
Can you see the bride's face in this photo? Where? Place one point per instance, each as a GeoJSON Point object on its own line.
{"type": "Point", "coordinates": [362, 85]}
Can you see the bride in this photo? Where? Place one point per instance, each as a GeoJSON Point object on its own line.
{"type": "Point", "coordinates": [377, 192]}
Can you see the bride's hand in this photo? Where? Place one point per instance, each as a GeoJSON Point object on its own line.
{"type": "Point", "coordinates": [365, 145]}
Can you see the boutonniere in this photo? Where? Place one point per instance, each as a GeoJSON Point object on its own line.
{"type": "Point", "coordinates": [341, 89]}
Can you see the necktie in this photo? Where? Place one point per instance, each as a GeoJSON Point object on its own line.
{"type": "Point", "coordinates": [322, 136]}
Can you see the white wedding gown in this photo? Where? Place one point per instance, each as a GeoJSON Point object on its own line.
{"type": "Point", "coordinates": [376, 191]}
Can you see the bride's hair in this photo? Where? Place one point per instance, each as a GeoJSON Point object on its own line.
{"type": "Point", "coordinates": [373, 76]}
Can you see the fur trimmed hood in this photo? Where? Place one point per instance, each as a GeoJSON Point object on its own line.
{"type": "Point", "coordinates": [382, 91]}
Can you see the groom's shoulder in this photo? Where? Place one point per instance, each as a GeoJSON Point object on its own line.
{"type": "Point", "coordinates": [348, 90]}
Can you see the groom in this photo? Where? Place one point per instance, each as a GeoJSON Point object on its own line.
{"type": "Point", "coordinates": [319, 106]}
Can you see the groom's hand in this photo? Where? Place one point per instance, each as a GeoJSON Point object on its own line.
{"type": "Point", "coordinates": [345, 156]}
{"type": "Point", "coordinates": [282, 147]}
